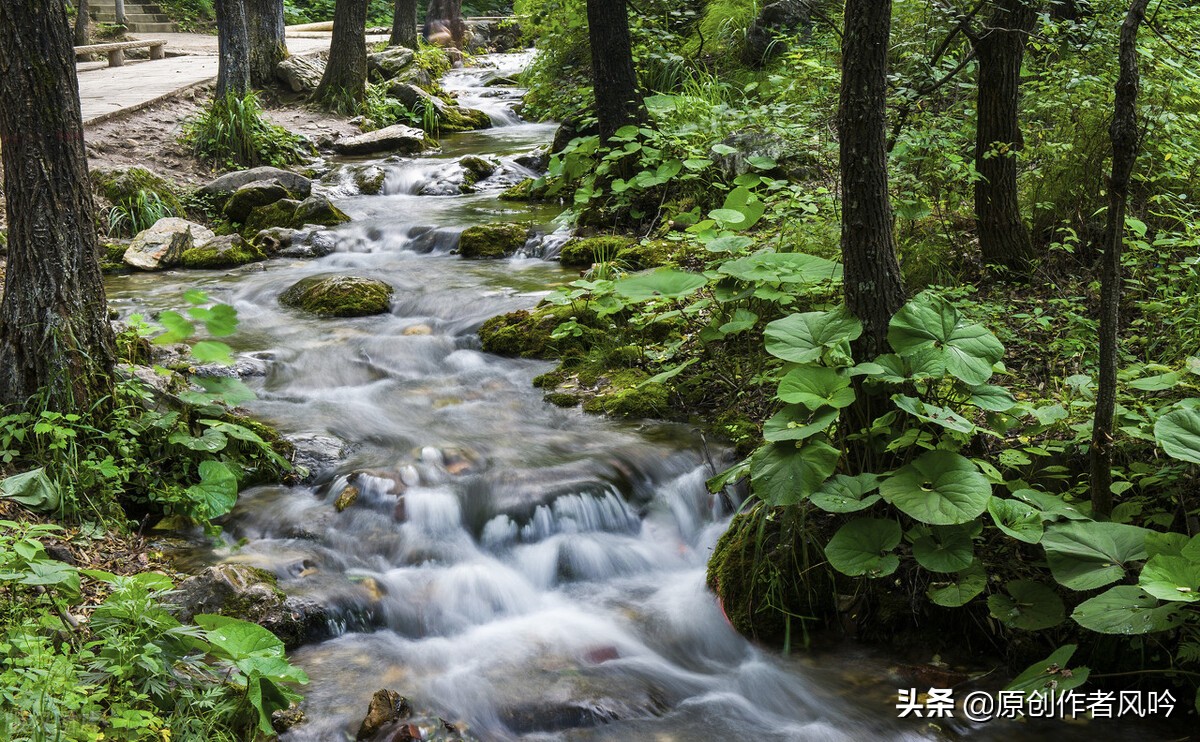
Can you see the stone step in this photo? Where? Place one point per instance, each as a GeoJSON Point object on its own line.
{"type": "Point", "coordinates": [109, 7]}
{"type": "Point", "coordinates": [132, 18]}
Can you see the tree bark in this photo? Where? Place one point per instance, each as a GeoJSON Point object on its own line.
{"type": "Point", "coordinates": [81, 22]}
{"type": "Point", "coordinates": [268, 46]}
{"type": "Point", "coordinates": [344, 84]}
{"type": "Point", "coordinates": [1000, 47]}
{"type": "Point", "coordinates": [404, 24]}
{"type": "Point", "coordinates": [618, 101]}
{"type": "Point", "coordinates": [1124, 134]}
{"type": "Point", "coordinates": [446, 15]}
{"type": "Point", "coordinates": [874, 289]}
{"type": "Point", "coordinates": [54, 330]}
{"type": "Point", "coordinates": [233, 43]}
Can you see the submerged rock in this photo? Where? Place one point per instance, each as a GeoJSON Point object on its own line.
{"type": "Point", "coordinates": [163, 245]}
{"type": "Point", "coordinates": [226, 251]}
{"type": "Point", "coordinates": [300, 74]}
{"type": "Point", "coordinates": [310, 244]}
{"type": "Point", "coordinates": [339, 296]}
{"type": "Point", "coordinates": [397, 138]}
{"type": "Point", "coordinates": [492, 240]}
{"type": "Point", "coordinates": [316, 453]}
{"type": "Point", "coordinates": [386, 707]}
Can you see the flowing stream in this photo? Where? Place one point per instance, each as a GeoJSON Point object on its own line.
{"type": "Point", "coordinates": [542, 575]}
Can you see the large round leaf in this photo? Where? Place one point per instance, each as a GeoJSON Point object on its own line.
{"type": "Point", "coordinates": [846, 494]}
{"type": "Point", "coordinates": [966, 585]}
{"type": "Point", "coordinates": [664, 283]}
{"type": "Point", "coordinates": [815, 387]}
{"type": "Point", "coordinates": [1085, 555]}
{"type": "Point", "coordinates": [795, 423]}
{"type": "Point", "coordinates": [217, 491]}
{"type": "Point", "coordinates": [800, 338]}
{"type": "Point", "coordinates": [945, 549]}
{"type": "Point", "coordinates": [1178, 432]}
{"type": "Point", "coordinates": [781, 474]}
{"type": "Point", "coordinates": [941, 488]}
{"type": "Point", "coordinates": [1029, 605]}
{"type": "Point", "coordinates": [862, 546]}
{"type": "Point", "coordinates": [1171, 578]}
{"type": "Point", "coordinates": [1127, 609]}
{"type": "Point", "coordinates": [787, 267]}
{"type": "Point", "coordinates": [928, 321]}
{"type": "Point", "coordinates": [1019, 520]}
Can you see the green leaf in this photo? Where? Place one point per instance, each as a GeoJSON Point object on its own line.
{"type": "Point", "coordinates": [742, 320]}
{"type": "Point", "coordinates": [1032, 606]}
{"type": "Point", "coordinates": [216, 493]}
{"type": "Point", "coordinates": [220, 320]}
{"type": "Point", "coordinates": [941, 488]}
{"type": "Point", "coordinates": [781, 267]}
{"type": "Point", "coordinates": [796, 423]}
{"type": "Point", "coordinates": [781, 474]}
{"type": "Point", "coordinates": [1051, 672]}
{"type": "Point", "coordinates": [723, 149]}
{"type": "Point", "coordinates": [1158, 383]}
{"type": "Point", "coordinates": [210, 351]}
{"type": "Point", "coordinates": [177, 328]}
{"type": "Point", "coordinates": [862, 546]}
{"type": "Point", "coordinates": [664, 283]}
{"type": "Point", "coordinates": [801, 338]}
{"type": "Point", "coordinates": [1018, 519]}
{"type": "Point", "coordinates": [1052, 507]}
{"type": "Point", "coordinates": [1178, 432]}
{"type": "Point", "coordinates": [1085, 555]}
{"type": "Point", "coordinates": [816, 387]}
{"type": "Point", "coordinates": [945, 549]}
{"type": "Point", "coordinates": [846, 494]}
{"type": "Point", "coordinates": [729, 243]}
{"type": "Point", "coordinates": [211, 441]}
{"type": "Point", "coordinates": [992, 398]}
{"type": "Point", "coordinates": [928, 321]}
{"type": "Point", "coordinates": [727, 216]}
{"type": "Point", "coordinates": [33, 489]}
{"type": "Point", "coordinates": [230, 390]}
{"type": "Point", "coordinates": [1172, 578]}
{"type": "Point", "coordinates": [50, 573]}
{"type": "Point", "coordinates": [932, 413]}
{"type": "Point", "coordinates": [762, 163]}
{"type": "Point", "coordinates": [1129, 610]}
{"type": "Point", "coordinates": [967, 584]}
{"type": "Point", "coordinates": [236, 639]}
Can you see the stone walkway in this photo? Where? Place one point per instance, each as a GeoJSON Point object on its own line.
{"type": "Point", "coordinates": [105, 91]}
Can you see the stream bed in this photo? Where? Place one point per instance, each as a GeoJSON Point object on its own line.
{"type": "Point", "coordinates": [542, 576]}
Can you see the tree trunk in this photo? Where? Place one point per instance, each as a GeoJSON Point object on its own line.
{"type": "Point", "coordinates": [404, 24]}
{"type": "Point", "coordinates": [81, 22]}
{"type": "Point", "coordinates": [1124, 134]}
{"type": "Point", "coordinates": [446, 15]}
{"type": "Point", "coordinates": [874, 289]}
{"type": "Point", "coordinates": [618, 102]}
{"type": "Point", "coordinates": [1000, 47]}
{"type": "Point", "coordinates": [233, 43]}
{"type": "Point", "coordinates": [54, 330]}
{"type": "Point", "coordinates": [1070, 10]}
{"type": "Point", "coordinates": [268, 47]}
{"type": "Point", "coordinates": [344, 84]}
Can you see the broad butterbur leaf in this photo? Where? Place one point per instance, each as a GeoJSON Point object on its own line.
{"type": "Point", "coordinates": [945, 549]}
{"type": "Point", "coordinates": [1018, 519]}
{"type": "Point", "coordinates": [1172, 578]}
{"type": "Point", "coordinates": [966, 585]}
{"type": "Point", "coordinates": [664, 283]}
{"type": "Point", "coordinates": [1178, 432]}
{"type": "Point", "coordinates": [928, 321]}
{"type": "Point", "coordinates": [863, 546]}
{"type": "Point", "coordinates": [816, 387]}
{"type": "Point", "coordinates": [782, 474]}
{"type": "Point", "coordinates": [1129, 610]}
{"type": "Point", "coordinates": [940, 488]}
{"type": "Point", "coordinates": [801, 338]}
{"type": "Point", "coordinates": [1029, 605]}
{"type": "Point", "coordinates": [846, 494]}
{"type": "Point", "coordinates": [1051, 672]}
{"type": "Point", "coordinates": [1085, 555]}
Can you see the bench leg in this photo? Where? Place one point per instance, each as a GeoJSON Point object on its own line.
{"type": "Point", "coordinates": [116, 58]}
{"type": "Point", "coordinates": [157, 51]}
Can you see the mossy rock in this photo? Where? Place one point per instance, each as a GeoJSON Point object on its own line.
{"type": "Point", "coordinates": [282, 213]}
{"type": "Point", "coordinates": [526, 334]}
{"type": "Point", "coordinates": [639, 256]}
{"type": "Point", "coordinates": [457, 118]}
{"type": "Point", "coordinates": [628, 395]}
{"type": "Point", "coordinates": [767, 565]}
{"type": "Point", "coordinates": [317, 210]}
{"type": "Point", "coordinates": [339, 296]}
{"type": "Point", "coordinates": [122, 187]}
{"type": "Point", "coordinates": [228, 251]}
{"type": "Point", "coordinates": [561, 399]}
{"type": "Point", "coordinates": [492, 241]}
{"type": "Point", "coordinates": [526, 190]}
{"type": "Point", "coordinates": [112, 257]}
{"type": "Point", "coordinates": [585, 252]}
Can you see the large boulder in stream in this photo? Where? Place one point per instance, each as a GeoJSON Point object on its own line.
{"type": "Point", "coordinates": [226, 251]}
{"type": "Point", "coordinates": [339, 296]}
{"type": "Point", "coordinates": [225, 186]}
{"type": "Point", "coordinates": [252, 195]}
{"type": "Point", "coordinates": [251, 594]}
{"type": "Point", "coordinates": [292, 214]}
{"type": "Point", "coordinates": [398, 138]}
{"type": "Point", "coordinates": [492, 240]}
{"type": "Point", "coordinates": [163, 245]}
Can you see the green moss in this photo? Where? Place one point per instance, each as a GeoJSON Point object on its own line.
{"type": "Point", "coordinates": [583, 253]}
{"type": "Point", "coordinates": [527, 334]}
{"type": "Point", "coordinates": [559, 399]}
{"type": "Point", "coordinates": [627, 395]}
{"type": "Point", "coordinates": [282, 213]}
{"type": "Point", "coordinates": [121, 187]}
{"type": "Point", "coordinates": [317, 210]}
{"type": "Point", "coordinates": [522, 191]}
{"type": "Point", "coordinates": [339, 296]}
{"type": "Point", "coordinates": [492, 240]}
{"type": "Point", "coordinates": [237, 253]}
{"type": "Point", "coordinates": [648, 254]}
{"type": "Point", "coordinates": [456, 118]}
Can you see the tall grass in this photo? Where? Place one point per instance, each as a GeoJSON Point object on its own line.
{"type": "Point", "coordinates": [233, 132]}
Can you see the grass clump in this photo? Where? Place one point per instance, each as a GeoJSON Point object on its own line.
{"type": "Point", "coordinates": [233, 133]}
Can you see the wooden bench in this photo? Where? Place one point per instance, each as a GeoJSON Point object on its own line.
{"type": "Point", "coordinates": [116, 50]}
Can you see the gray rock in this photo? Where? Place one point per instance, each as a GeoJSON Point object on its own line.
{"type": "Point", "coordinates": [300, 74]}
{"type": "Point", "coordinates": [339, 296]}
{"type": "Point", "coordinates": [162, 245]}
{"type": "Point", "coordinates": [537, 160]}
{"type": "Point", "coordinates": [252, 195]}
{"type": "Point", "coordinates": [317, 453]}
{"type": "Point", "coordinates": [397, 138]}
{"type": "Point", "coordinates": [250, 594]}
{"type": "Point", "coordinates": [368, 179]}
{"type": "Point", "coordinates": [318, 209]}
{"type": "Point", "coordinates": [414, 96]}
{"type": "Point", "coordinates": [389, 62]}
{"type": "Point", "coordinates": [298, 185]}
{"type": "Point", "coordinates": [275, 239]}
{"type": "Point", "coordinates": [311, 244]}
{"type": "Point", "coordinates": [226, 251]}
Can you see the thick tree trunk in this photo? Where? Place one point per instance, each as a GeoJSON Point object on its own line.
{"type": "Point", "coordinates": [618, 101]}
{"type": "Point", "coordinates": [81, 22]}
{"type": "Point", "coordinates": [233, 43]}
{"type": "Point", "coordinates": [1070, 10]}
{"type": "Point", "coordinates": [1000, 47]}
{"type": "Point", "coordinates": [404, 24]}
{"type": "Point", "coordinates": [1124, 134]}
{"type": "Point", "coordinates": [54, 330]}
{"type": "Point", "coordinates": [446, 16]}
{"type": "Point", "coordinates": [268, 47]}
{"type": "Point", "coordinates": [874, 289]}
{"type": "Point", "coordinates": [344, 84]}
